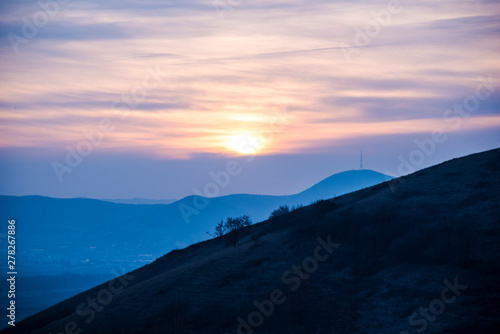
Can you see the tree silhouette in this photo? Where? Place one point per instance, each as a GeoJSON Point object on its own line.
{"type": "Point", "coordinates": [231, 227]}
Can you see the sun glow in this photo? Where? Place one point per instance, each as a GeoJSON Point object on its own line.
{"type": "Point", "coordinates": [245, 144]}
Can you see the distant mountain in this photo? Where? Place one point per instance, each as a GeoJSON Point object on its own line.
{"type": "Point", "coordinates": [418, 254]}
{"type": "Point", "coordinates": [140, 201]}
{"type": "Point", "coordinates": [341, 183]}
{"type": "Point", "coordinates": [88, 236]}
{"type": "Point", "coordinates": [337, 184]}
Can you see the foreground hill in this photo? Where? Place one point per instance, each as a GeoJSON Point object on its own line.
{"type": "Point", "coordinates": [412, 255]}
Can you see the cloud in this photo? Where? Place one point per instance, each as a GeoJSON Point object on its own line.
{"type": "Point", "coordinates": [222, 76]}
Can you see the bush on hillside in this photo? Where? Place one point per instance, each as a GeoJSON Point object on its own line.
{"type": "Point", "coordinates": [283, 209]}
{"type": "Point", "coordinates": [232, 224]}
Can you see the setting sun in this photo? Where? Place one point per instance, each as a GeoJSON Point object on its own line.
{"type": "Point", "coordinates": [245, 144]}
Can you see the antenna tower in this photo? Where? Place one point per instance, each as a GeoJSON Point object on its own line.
{"type": "Point", "coordinates": [361, 160]}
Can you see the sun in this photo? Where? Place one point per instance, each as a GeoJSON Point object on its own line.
{"type": "Point", "coordinates": [245, 144]}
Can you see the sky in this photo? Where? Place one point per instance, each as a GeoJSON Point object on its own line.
{"type": "Point", "coordinates": [151, 99]}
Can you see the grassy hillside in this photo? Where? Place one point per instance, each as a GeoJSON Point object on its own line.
{"type": "Point", "coordinates": [413, 255]}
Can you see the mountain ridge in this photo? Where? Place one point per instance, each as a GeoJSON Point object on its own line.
{"type": "Point", "coordinates": [331, 180]}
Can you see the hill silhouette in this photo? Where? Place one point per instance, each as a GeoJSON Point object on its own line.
{"type": "Point", "coordinates": [418, 254]}
{"type": "Point", "coordinates": [340, 184]}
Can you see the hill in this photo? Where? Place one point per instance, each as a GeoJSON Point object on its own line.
{"type": "Point", "coordinates": [418, 254]}
{"type": "Point", "coordinates": [88, 236]}
{"type": "Point", "coordinates": [340, 184]}
{"type": "Point", "coordinates": [140, 201]}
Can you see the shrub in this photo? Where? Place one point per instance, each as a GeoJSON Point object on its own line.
{"type": "Point", "coordinates": [233, 224]}
{"type": "Point", "coordinates": [220, 229]}
{"type": "Point", "coordinates": [283, 209]}
{"type": "Point", "coordinates": [231, 227]}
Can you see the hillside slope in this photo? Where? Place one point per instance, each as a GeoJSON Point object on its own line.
{"type": "Point", "coordinates": [412, 255]}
